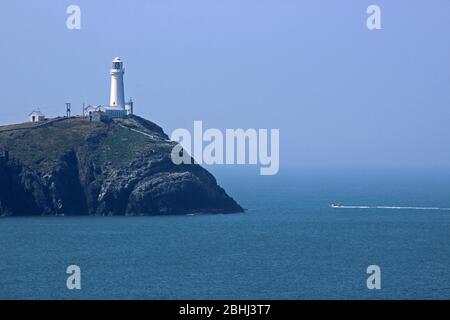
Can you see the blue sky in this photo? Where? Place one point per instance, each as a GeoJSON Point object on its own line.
{"type": "Point", "coordinates": [341, 95]}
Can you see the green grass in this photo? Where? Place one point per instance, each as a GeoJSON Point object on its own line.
{"type": "Point", "coordinates": [43, 147]}
{"type": "Point", "coordinates": [120, 146]}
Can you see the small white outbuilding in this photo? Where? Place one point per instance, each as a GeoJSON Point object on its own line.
{"type": "Point", "coordinates": [36, 116]}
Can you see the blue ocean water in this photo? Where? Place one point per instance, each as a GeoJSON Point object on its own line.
{"type": "Point", "coordinates": [289, 244]}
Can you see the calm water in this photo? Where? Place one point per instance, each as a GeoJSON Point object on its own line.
{"type": "Point", "coordinates": [289, 245]}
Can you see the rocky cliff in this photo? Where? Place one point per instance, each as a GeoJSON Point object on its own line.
{"type": "Point", "coordinates": [118, 167]}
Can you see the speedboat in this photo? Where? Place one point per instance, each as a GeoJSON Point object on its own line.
{"type": "Point", "coordinates": [335, 205]}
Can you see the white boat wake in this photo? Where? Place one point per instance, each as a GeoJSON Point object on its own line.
{"type": "Point", "coordinates": [335, 206]}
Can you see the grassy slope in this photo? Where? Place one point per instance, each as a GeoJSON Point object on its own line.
{"type": "Point", "coordinates": [41, 147]}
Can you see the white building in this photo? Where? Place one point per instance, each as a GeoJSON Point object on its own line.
{"type": "Point", "coordinates": [129, 106]}
{"type": "Point", "coordinates": [36, 116]}
{"type": "Point", "coordinates": [117, 107]}
{"type": "Point", "coordinates": [91, 109]}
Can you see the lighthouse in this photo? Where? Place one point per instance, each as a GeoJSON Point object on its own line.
{"type": "Point", "coordinates": [117, 88]}
{"type": "Point", "coordinates": [117, 107]}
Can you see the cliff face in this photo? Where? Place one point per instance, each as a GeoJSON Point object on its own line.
{"type": "Point", "coordinates": [122, 167]}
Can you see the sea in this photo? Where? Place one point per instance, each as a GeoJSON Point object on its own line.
{"type": "Point", "coordinates": [289, 244]}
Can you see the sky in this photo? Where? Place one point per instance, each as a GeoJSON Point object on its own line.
{"type": "Point", "coordinates": [340, 94]}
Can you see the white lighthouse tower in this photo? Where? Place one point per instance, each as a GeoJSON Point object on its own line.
{"type": "Point", "coordinates": [117, 108]}
{"type": "Point", "coordinates": [117, 88]}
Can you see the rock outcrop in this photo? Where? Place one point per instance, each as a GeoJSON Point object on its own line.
{"type": "Point", "coordinates": [118, 167]}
